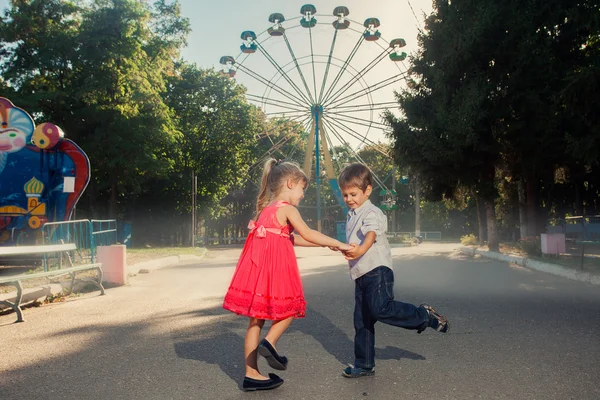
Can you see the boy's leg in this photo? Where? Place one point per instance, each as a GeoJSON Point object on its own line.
{"type": "Point", "coordinates": [364, 328]}
{"type": "Point", "coordinates": [389, 311]}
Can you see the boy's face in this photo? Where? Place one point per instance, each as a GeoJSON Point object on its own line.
{"type": "Point", "coordinates": [354, 196]}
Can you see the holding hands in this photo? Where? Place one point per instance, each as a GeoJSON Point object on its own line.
{"type": "Point", "coordinates": [350, 251]}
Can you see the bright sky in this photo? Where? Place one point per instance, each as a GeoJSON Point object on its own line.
{"type": "Point", "coordinates": [217, 25]}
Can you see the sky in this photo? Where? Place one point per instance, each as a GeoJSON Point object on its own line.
{"type": "Point", "coordinates": [217, 25]}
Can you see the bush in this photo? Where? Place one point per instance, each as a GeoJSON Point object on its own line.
{"type": "Point", "coordinates": [469, 240]}
{"type": "Point", "coordinates": [531, 245]}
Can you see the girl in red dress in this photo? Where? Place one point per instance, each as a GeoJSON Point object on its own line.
{"type": "Point", "coordinates": [266, 284]}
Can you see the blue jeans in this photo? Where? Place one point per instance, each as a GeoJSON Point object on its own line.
{"type": "Point", "coordinates": [374, 301]}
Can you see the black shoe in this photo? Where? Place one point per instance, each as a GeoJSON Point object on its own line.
{"type": "Point", "coordinates": [251, 385]}
{"type": "Point", "coordinates": [275, 361]}
{"type": "Point", "coordinates": [356, 372]}
{"type": "Point", "coordinates": [436, 320]}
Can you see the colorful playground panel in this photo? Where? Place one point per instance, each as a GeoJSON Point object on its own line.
{"type": "Point", "coordinates": [42, 175]}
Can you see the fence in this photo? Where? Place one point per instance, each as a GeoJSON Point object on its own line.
{"type": "Point", "coordinates": [84, 233]}
{"type": "Point", "coordinates": [582, 239]}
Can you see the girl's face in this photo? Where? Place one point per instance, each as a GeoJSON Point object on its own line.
{"type": "Point", "coordinates": [296, 192]}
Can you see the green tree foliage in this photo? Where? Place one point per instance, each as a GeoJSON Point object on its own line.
{"type": "Point", "coordinates": [494, 102]}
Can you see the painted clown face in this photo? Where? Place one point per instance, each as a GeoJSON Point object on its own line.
{"type": "Point", "coordinates": [16, 128]}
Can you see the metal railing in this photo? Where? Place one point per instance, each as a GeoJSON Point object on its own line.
{"type": "Point", "coordinates": [104, 232]}
{"type": "Point", "coordinates": [78, 232]}
{"type": "Point", "coordinates": [85, 234]}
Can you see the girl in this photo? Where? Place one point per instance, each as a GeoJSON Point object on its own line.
{"type": "Point", "coordinates": [266, 284]}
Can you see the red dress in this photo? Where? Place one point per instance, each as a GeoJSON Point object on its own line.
{"type": "Point", "coordinates": [266, 283]}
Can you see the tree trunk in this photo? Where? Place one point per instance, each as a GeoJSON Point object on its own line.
{"type": "Point", "coordinates": [492, 233]}
{"type": "Point", "coordinates": [522, 208]}
{"type": "Point", "coordinates": [112, 206]}
{"type": "Point", "coordinates": [479, 221]}
{"type": "Point", "coordinates": [531, 205]}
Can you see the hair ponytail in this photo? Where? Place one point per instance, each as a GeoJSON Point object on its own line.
{"type": "Point", "coordinates": [264, 195]}
{"type": "Point", "coordinates": [275, 174]}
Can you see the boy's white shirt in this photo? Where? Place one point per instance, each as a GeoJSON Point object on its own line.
{"type": "Point", "coordinates": [362, 220]}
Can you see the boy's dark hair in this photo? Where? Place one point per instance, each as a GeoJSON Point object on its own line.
{"type": "Point", "coordinates": [355, 175]}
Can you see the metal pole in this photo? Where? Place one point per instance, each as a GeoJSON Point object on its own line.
{"type": "Point", "coordinates": [417, 206]}
{"type": "Point", "coordinates": [394, 191]}
{"type": "Point", "coordinates": [193, 230]}
{"type": "Point", "coordinates": [316, 111]}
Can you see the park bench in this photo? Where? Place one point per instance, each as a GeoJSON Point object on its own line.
{"type": "Point", "coordinates": [61, 249]}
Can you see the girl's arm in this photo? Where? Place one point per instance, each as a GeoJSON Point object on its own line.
{"type": "Point", "coordinates": [300, 241]}
{"type": "Point", "coordinates": [310, 235]}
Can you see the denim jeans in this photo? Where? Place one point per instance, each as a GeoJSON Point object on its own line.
{"type": "Point", "coordinates": [374, 298]}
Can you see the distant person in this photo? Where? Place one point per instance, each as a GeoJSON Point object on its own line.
{"type": "Point", "coordinates": [370, 262]}
{"type": "Point", "coordinates": [266, 284]}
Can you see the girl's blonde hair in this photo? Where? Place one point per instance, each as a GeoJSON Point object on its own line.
{"type": "Point", "coordinates": [275, 175]}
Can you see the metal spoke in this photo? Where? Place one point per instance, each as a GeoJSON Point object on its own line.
{"type": "Point", "coordinates": [351, 83]}
{"type": "Point", "coordinates": [328, 64]}
{"type": "Point", "coordinates": [278, 102]}
{"type": "Point", "coordinates": [367, 90]}
{"type": "Point", "coordinates": [312, 56]}
{"type": "Point", "coordinates": [271, 85]}
{"type": "Point", "coordinates": [287, 42]}
{"type": "Point", "coordinates": [357, 135]}
{"type": "Point", "coordinates": [350, 119]}
{"type": "Point", "coordinates": [358, 157]}
{"type": "Point", "coordinates": [281, 71]}
{"type": "Point", "coordinates": [343, 68]}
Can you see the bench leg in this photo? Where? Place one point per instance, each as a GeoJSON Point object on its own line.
{"type": "Point", "coordinates": [100, 277]}
{"type": "Point", "coordinates": [17, 304]}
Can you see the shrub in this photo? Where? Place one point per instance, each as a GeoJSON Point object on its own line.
{"type": "Point", "coordinates": [468, 240]}
{"type": "Point", "coordinates": [531, 245]}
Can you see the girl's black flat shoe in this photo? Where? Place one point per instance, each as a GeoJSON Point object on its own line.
{"type": "Point", "coordinates": [275, 361]}
{"type": "Point", "coordinates": [251, 385]}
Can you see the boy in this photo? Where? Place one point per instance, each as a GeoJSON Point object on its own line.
{"type": "Point", "coordinates": [370, 264]}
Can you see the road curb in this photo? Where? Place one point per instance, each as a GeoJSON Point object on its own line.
{"type": "Point", "coordinates": [553, 269]}
{"type": "Point", "coordinates": [40, 293]}
{"type": "Point", "coordinates": [147, 267]}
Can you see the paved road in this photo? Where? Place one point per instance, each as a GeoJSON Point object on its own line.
{"type": "Point", "coordinates": [516, 334]}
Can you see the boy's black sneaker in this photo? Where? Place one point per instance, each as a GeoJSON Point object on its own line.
{"type": "Point", "coordinates": [436, 320]}
{"type": "Point", "coordinates": [356, 372]}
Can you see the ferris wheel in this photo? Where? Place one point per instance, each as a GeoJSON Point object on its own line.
{"type": "Point", "coordinates": [330, 73]}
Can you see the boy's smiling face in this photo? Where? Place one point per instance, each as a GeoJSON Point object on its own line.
{"type": "Point", "coordinates": [355, 197]}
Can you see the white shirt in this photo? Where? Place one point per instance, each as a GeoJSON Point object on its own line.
{"type": "Point", "coordinates": [368, 218]}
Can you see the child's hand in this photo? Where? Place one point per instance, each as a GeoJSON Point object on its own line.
{"type": "Point", "coordinates": [344, 247]}
{"type": "Point", "coordinates": [353, 253]}
{"type": "Point", "coordinates": [334, 248]}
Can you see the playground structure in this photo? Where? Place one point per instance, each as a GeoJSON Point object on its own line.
{"type": "Point", "coordinates": [329, 81]}
{"type": "Point", "coordinates": [42, 175]}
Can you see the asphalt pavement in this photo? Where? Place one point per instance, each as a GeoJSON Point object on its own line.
{"type": "Point", "coordinates": [515, 334]}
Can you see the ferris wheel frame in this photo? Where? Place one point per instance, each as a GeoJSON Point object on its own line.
{"type": "Point", "coordinates": [312, 110]}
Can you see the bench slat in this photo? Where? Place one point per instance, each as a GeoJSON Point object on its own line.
{"type": "Point", "coordinates": [23, 277]}
{"type": "Point", "coordinates": [25, 250]}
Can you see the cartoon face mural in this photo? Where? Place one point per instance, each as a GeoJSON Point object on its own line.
{"type": "Point", "coordinates": [35, 167]}
{"type": "Point", "coordinates": [16, 128]}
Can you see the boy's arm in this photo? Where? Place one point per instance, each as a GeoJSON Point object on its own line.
{"type": "Point", "coordinates": [361, 249]}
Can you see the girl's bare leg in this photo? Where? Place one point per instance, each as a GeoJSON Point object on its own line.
{"type": "Point", "coordinates": [250, 345]}
{"type": "Point", "coordinates": [277, 329]}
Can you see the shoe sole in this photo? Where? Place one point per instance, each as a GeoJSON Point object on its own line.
{"type": "Point", "coordinates": [443, 324]}
{"type": "Point", "coordinates": [275, 386]}
{"type": "Point", "coordinates": [345, 375]}
{"type": "Point", "coordinates": [272, 361]}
